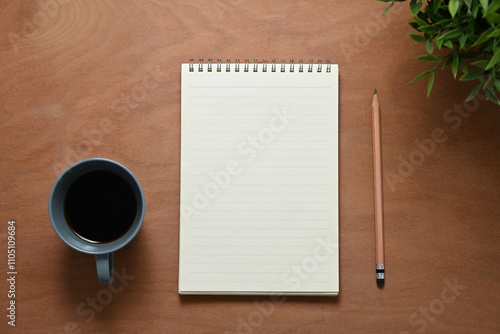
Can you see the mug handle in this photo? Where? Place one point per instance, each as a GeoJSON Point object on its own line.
{"type": "Point", "coordinates": [105, 263]}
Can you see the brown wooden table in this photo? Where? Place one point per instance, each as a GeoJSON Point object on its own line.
{"type": "Point", "coordinates": [82, 79]}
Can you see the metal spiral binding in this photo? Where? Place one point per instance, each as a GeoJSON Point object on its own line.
{"type": "Point", "coordinates": [246, 65]}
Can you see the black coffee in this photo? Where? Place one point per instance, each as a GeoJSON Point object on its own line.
{"type": "Point", "coordinates": [100, 206]}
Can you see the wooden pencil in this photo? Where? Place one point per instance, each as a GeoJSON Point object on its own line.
{"type": "Point", "coordinates": [377, 185]}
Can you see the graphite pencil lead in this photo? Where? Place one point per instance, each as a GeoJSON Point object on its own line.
{"type": "Point", "coordinates": [375, 92]}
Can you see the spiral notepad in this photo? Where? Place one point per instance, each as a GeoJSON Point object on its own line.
{"type": "Point", "coordinates": [259, 178]}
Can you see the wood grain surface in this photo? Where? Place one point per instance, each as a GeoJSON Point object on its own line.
{"type": "Point", "coordinates": [82, 79]}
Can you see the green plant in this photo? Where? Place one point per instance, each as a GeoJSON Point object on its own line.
{"type": "Point", "coordinates": [468, 31]}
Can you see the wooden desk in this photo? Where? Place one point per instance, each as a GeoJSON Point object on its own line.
{"type": "Point", "coordinates": [103, 79]}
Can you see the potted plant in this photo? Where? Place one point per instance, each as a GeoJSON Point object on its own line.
{"type": "Point", "coordinates": [467, 32]}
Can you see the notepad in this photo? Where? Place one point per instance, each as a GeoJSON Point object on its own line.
{"type": "Point", "coordinates": [259, 179]}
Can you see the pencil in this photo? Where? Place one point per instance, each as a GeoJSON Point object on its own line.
{"type": "Point", "coordinates": [377, 187]}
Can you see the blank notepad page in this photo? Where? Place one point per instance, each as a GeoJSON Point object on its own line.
{"type": "Point", "coordinates": [259, 180]}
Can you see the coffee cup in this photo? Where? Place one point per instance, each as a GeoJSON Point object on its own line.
{"type": "Point", "coordinates": [97, 206]}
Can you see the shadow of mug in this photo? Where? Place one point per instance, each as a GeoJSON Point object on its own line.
{"type": "Point", "coordinates": [97, 206]}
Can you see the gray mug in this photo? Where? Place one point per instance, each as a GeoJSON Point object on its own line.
{"type": "Point", "coordinates": [86, 206]}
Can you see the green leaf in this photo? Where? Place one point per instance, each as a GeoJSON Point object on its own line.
{"type": "Point", "coordinates": [492, 18]}
{"type": "Point", "coordinates": [468, 3]}
{"type": "Point", "coordinates": [451, 34]}
{"type": "Point", "coordinates": [496, 84]}
{"type": "Point", "coordinates": [428, 29]}
{"type": "Point", "coordinates": [461, 64]}
{"type": "Point", "coordinates": [448, 62]}
{"type": "Point", "coordinates": [421, 75]}
{"type": "Point", "coordinates": [475, 9]}
{"type": "Point", "coordinates": [481, 63]}
{"type": "Point", "coordinates": [428, 58]}
{"type": "Point", "coordinates": [462, 39]}
{"type": "Point", "coordinates": [484, 4]}
{"type": "Point", "coordinates": [439, 43]}
{"type": "Point", "coordinates": [494, 60]}
{"type": "Point", "coordinates": [415, 7]}
{"type": "Point", "coordinates": [488, 82]}
{"type": "Point", "coordinates": [418, 38]}
{"type": "Point", "coordinates": [443, 23]}
{"type": "Point", "coordinates": [430, 11]}
{"type": "Point", "coordinates": [474, 92]}
{"type": "Point", "coordinates": [491, 95]}
{"type": "Point", "coordinates": [494, 6]}
{"type": "Point", "coordinates": [388, 7]}
{"type": "Point", "coordinates": [484, 37]}
{"type": "Point", "coordinates": [420, 22]}
{"type": "Point", "coordinates": [453, 7]}
{"type": "Point", "coordinates": [430, 84]}
{"type": "Point", "coordinates": [414, 25]}
{"type": "Point", "coordinates": [495, 33]}
{"type": "Point", "coordinates": [449, 45]}
{"type": "Point", "coordinates": [454, 65]}
{"type": "Point", "coordinates": [429, 46]}
{"type": "Point", "coordinates": [471, 75]}
{"type": "Point", "coordinates": [435, 5]}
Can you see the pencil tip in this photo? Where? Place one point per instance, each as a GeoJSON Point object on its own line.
{"type": "Point", "coordinates": [375, 92]}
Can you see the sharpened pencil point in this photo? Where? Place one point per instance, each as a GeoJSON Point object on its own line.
{"type": "Point", "coordinates": [375, 92]}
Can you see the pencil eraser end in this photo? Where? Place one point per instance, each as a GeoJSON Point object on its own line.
{"type": "Point", "coordinates": [380, 281]}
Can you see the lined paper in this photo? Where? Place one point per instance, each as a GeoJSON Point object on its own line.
{"type": "Point", "coordinates": [259, 182]}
